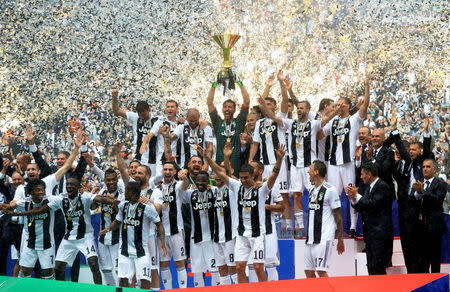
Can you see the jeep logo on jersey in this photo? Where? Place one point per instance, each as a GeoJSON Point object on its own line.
{"type": "Point", "coordinates": [168, 199]}
{"type": "Point", "coordinates": [268, 130]}
{"type": "Point", "coordinates": [133, 222]}
{"type": "Point", "coordinates": [250, 203]}
{"type": "Point", "coordinates": [38, 217]}
{"type": "Point", "coordinates": [220, 204]}
{"type": "Point", "coordinates": [337, 132]}
{"type": "Point", "coordinates": [191, 140]}
{"type": "Point", "coordinates": [73, 213]}
{"type": "Point", "coordinates": [199, 206]}
{"type": "Point", "coordinates": [143, 130]}
{"type": "Point", "coordinates": [224, 133]}
{"type": "Point", "coordinates": [305, 133]}
{"type": "Point", "coordinates": [313, 206]}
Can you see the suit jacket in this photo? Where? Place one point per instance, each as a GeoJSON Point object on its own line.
{"type": "Point", "coordinates": [376, 210]}
{"type": "Point", "coordinates": [430, 206]}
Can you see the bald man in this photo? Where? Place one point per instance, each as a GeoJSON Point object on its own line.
{"type": "Point", "coordinates": [192, 133]}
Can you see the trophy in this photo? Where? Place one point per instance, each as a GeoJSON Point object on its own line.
{"type": "Point", "coordinates": [226, 77]}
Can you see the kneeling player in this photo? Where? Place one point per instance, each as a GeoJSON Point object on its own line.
{"type": "Point", "coordinates": [134, 218]}
{"type": "Point", "coordinates": [324, 215]}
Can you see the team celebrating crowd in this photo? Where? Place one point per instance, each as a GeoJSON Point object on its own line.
{"type": "Point", "coordinates": [211, 192]}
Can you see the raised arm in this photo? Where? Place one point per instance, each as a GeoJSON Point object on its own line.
{"type": "Point", "coordinates": [214, 166]}
{"type": "Point", "coordinates": [284, 94]}
{"type": "Point", "coordinates": [210, 99]}
{"type": "Point", "coordinates": [121, 163]}
{"type": "Point", "coordinates": [245, 96]}
{"type": "Point", "coordinates": [328, 118]}
{"type": "Point", "coordinates": [115, 104]}
{"type": "Point", "coordinates": [42, 164]}
{"type": "Point", "coordinates": [269, 83]}
{"type": "Point", "coordinates": [365, 105]}
{"type": "Point", "coordinates": [287, 84]}
{"type": "Point", "coordinates": [269, 113]}
{"type": "Point", "coordinates": [276, 169]}
{"type": "Point", "coordinates": [78, 141]}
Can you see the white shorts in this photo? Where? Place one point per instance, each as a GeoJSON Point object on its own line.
{"type": "Point", "coordinates": [341, 176]}
{"type": "Point", "coordinates": [317, 256]}
{"type": "Point", "coordinates": [153, 251]}
{"type": "Point", "coordinates": [202, 257]}
{"type": "Point", "coordinates": [224, 253]}
{"type": "Point", "coordinates": [272, 253]}
{"type": "Point", "coordinates": [108, 256]}
{"type": "Point", "coordinates": [130, 266]}
{"type": "Point", "coordinates": [68, 249]}
{"type": "Point", "coordinates": [281, 185]}
{"type": "Point", "coordinates": [46, 257]}
{"type": "Point", "coordinates": [250, 249]}
{"type": "Point", "coordinates": [299, 179]}
{"type": "Point", "coordinates": [175, 247]}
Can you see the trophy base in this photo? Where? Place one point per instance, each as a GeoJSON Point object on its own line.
{"type": "Point", "coordinates": [226, 78]}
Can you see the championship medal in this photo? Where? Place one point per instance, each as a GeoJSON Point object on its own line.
{"type": "Point", "coordinates": [69, 218]}
{"type": "Point", "coordinates": [30, 223]}
{"type": "Point", "coordinates": [228, 140]}
{"type": "Point", "coordinates": [221, 213]}
{"type": "Point", "coordinates": [107, 214]}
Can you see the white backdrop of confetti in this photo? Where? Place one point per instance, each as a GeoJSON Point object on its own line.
{"type": "Point", "coordinates": [54, 53]}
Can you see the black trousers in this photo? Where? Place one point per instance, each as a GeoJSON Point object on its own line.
{"type": "Point", "coordinates": [407, 238]}
{"type": "Point", "coordinates": [429, 251]}
{"type": "Point", "coordinates": [59, 230]}
{"type": "Point", "coordinates": [10, 234]}
{"type": "Point", "coordinates": [378, 253]}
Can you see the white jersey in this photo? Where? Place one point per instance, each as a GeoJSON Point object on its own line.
{"type": "Point", "coordinates": [268, 134]}
{"type": "Point", "coordinates": [189, 137]}
{"type": "Point", "coordinates": [202, 213]}
{"type": "Point", "coordinates": [251, 210]}
{"type": "Point", "coordinates": [271, 199]}
{"type": "Point", "coordinates": [38, 228]}
{"type": "Point", "coordinates": [302, 141]}
{"type": "Point", "coordinates": [321, 224]}
{"type": "Point", "coordinates": [50, 183]}
{"type": "Point", "coordinates": [135, 229]}
{"type": "Point", "coordinates": [77, 214]}
{"type": "Point", "coordinates": [343, 134]}
{"type": "Point", "coordinates": [225, 223]}
{"type": "Point", "coordinates": [170, 196]}
{"type": "Point", "coordinates": [140, 130]}
{"type": "Point", "coordinates": [107, 216]}
{"type": "Point", "coordinates": [160, 139]}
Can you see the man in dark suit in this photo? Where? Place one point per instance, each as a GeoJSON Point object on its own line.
{"type": "Point", "coordinates": [429, 222]}
{"type": "Point", "coordinates": [376, 210]}
{"type": "Point", "coordinates": [407, 170]}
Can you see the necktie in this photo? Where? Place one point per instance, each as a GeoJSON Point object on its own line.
{"type": "Point", "coordinates": [375, 152]}
{"type": "Point", "coordinates": [427, 185]}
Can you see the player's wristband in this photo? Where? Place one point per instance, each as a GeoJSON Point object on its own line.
{"type": "Point", "coordinates": [240, 83]}
{"type": "Point", "coordinates": [214, 85]}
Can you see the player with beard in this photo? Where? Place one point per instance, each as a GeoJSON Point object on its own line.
{"type": "Point", "coordinates": [108, 244]}
{"type": "Point", "coordinates": [302, 139]}
{"type": "Point", "coordinates": [170, 196]}
{"type": "Point", "coordinates": [343, 132]}
{"type": "Point", "coordinates": [134, 218]}
{"type": "Point", "coordinates": [191, 133]}
{"type": "Point", "coordinates": [147, 184]}
{"type": "Point", "coordinates": [142, 123]}
{"type": "Point", "coordinates": [251, 199]}
{"type": "Point", "coordinates": [165, 125]}
{"type": "Point", "coordinates": [79, 231]}
{"type": "Point", "coordinates": [38, 230]}
{"type": "Point", "coordinates": [273, 205]}
{"type": "Point", "coordinates": [225, 223]}
{"type": "Point", "coordinates": [201, 202]}
{"type": "Point", "coordinates": [269, 133]}
{"type": "Point", "coordinates": [228, 129]}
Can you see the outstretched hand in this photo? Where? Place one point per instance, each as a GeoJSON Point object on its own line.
{"type": "Point", "coordinates": [29, 134]}
{"type": "Point", "coordinates": [114, 93]}
{"type": "Point", "coordinates": [281, 151]}
{"type": "Point", "coordinates": [271, 80]}
{"type": "Point", "coordinates": [200, 150]}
